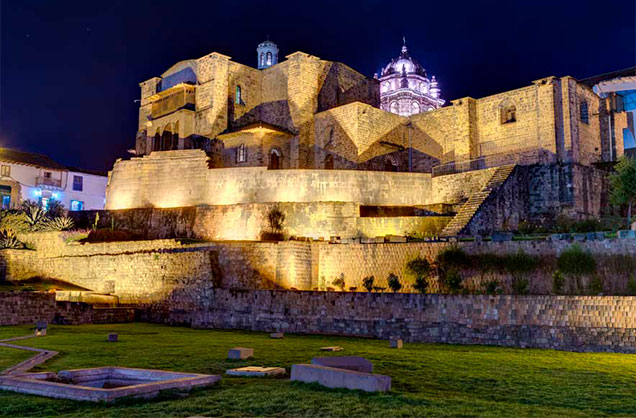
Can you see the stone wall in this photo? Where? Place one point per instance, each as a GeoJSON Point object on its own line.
{"type": "Point", "coordinates": [152, 181]}
{"type": "Point", "coordinates": [22, 308]}
{"type": "Point", "coordinates": [557, 322]}
{"type": "Point", "coordinates": [247, 222]}
{"type": "Point", "coordinates": [147, 271]}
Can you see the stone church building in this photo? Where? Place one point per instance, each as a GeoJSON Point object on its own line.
{"type": "Point", "coordinates": [314, 132]}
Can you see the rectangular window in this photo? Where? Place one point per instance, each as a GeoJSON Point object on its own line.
{"type": "Point", "coordinates": [77, 205]}
{"type": "Point", "coordinates": [78, 183]}
{"type": "Point", "coordinates": [6, 171]}
{"type": "Point", "coordinates": [47, 174]}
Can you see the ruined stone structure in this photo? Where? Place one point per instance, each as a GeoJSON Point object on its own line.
{"type": "Point", "coordinates": [306, 130]}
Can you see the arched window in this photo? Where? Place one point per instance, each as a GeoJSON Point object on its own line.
{"type": "Point", "coordinates": [269, 58]}
{"type": "Point", "coordinates": [238, 99]}
{"type": "Point", "coordinates": [393, 108]}
{"type": "Point", "coordinates": [241, 154]}
{"type": "Point", "coordinates": [262, 59]}
{"type": "Point", "coordinates": [508, 112]}
{"type": "Point", "coordinates": [415, 108]}
{"type": "Point", "coordinates": [584, 112]}
{"type": "Point", "coordinates": [275, 158]}
{"type": "Point", "coordinates": [390, 164]}
{"type": "Point", "coordinates": [329, 162]}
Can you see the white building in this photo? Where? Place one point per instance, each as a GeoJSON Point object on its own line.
{"type": "Point", "coordinates": [405, 89]}
{"type": "Point", "coordinates": [36, 177]}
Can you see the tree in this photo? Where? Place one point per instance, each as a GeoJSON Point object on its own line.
{"type": "Point", "coordinates": [340, 282]}
{"type": "Point", "coordinates": [367, 282]}
{"type": "Point", "coordinates": [394, 282]}
{"type": "Point", "coordinates": [420, 268]}
{"type": "Point", "coordinates": [623, 185]}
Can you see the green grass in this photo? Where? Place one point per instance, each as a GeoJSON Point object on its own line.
{"type": "Point", "coordinates": [428, 379]}
{"type": "Point", "coordinates": [9, 356]}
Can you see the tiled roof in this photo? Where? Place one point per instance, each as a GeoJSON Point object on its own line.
{"type": "Point", "coordinates": [29, 158]}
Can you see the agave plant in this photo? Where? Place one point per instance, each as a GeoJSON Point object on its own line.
{"type": "Point", "coordinates": [35, 215]}
{"type": "Point", "coordinates": [61, 223]}
{"type": "Point", "coordinates": [9, 239]}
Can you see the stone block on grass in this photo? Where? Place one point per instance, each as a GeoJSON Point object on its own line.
{"type": "Point", "coordinates": [331, 348]}
{"type": "Point", "coordinates": [359, 364]}
{"type": "Point", "coordinates": [113, 338]}
{"type": "Point", "coordinates": [277, 335]}
{"type": "Point", "coordinates": [254, 371]}
{"type": "Point", "coordinates": [332, 377]}
{"type": "Point", "coordinates": [396, 343]}
{"type": "Point", "coordinates": [240, 353]}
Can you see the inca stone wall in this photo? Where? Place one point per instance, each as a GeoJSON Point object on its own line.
{"type": "Point", "coordinates": [247, 222]}
{"type": "Point", "coordinates": [21, 308]}
{"type": "Point", "coordinates": [152, 181]}
{"type": "Point", "coordinates": [147, 271]}
{"type": "Point", "coordinates": [576, 323]}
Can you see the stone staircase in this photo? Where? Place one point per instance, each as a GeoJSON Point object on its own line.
{"type": "Point", "coordinates": [474, 202]}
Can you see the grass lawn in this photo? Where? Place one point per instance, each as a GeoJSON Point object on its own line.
{"type": "Point", "coordinates": [9, 357]}
{"type": "Point", "coordinates": [428, 379]}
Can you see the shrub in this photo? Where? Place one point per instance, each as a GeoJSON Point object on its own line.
{"type": "Point", "coordinates": [492, 287]}
{"type": "Point", "coordinates": [520, 262]}
{"type": "Point", "coordinates": [276, 220]}
{"type": "Point", "coordinates": [55, 209]}
{"type": "Point", "coordinates": [394, 282]}
{"type": "Point", "coordinates": [488, 262]}
{"type": "Point", "coordinates": [8, 239]}
{"type": "Point", "coordinates": [595, 286]}
{"type": "Point", "coordinates": [452, 258]}
{"type": "Point", "coordinates": [576, 262]}
{"type": "Point", "coordinates": [421, 284]}
{"type": "Point", "coordinates": [61, 223]}
{"type": "Point", "coordinates": [520, 286]}
{"type": "Point", "coordinates": [367, 283]}
{"type": "Point", "coordinates": [14, 220]}
{"type": "Point", "coordinates": [419, 267]}
{"type": "Point", "coordinates": [108, 235]}
{"type": "Point", "coordinates": [339, 282]}
{"type": "Point", "coordinates": [631, 286]}
{"type": "Point", "coordinates": [35, 216]}
{"type": "Point", "coordinates": [452, 280]}
{"type": "Point", "coordinates": [558, 281]}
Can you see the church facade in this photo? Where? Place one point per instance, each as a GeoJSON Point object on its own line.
{"type": "Point", "coordinates": [305, 115]}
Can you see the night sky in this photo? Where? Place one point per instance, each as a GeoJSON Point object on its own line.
{"type": "Point", "coordinates": [70, 69]}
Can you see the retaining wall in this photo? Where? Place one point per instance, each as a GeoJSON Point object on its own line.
{"type": "Point", "coordinates": [575, 323]}
{"type": "Point", "coordinates": [22, 308]}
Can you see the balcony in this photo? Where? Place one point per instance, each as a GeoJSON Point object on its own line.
{"type": "Point", "coordinates": [48, 182]}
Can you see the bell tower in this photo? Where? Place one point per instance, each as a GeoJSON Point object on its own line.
{"type": "Point", "coordinates": [266, 54]}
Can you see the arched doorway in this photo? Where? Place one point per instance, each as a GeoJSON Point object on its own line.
{"type": "Point", "coordinates": [274, 159]}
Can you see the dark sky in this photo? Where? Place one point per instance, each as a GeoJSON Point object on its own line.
{"type": "Point", "coordinates": [70, 69]}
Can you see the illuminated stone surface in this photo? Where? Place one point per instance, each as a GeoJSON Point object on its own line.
{"type": "Point", "coordinates": [240, 353]}
{"type": "Point", "coordinates": [103, 383]}
{"type": "Point", "coordinates": [395, 343]}
{"type": "Point", "coordinates": [332, 377]}
{"type": "Point", "coordinates": [254, 371]}
{"type": "Point", "coordinates": [358, 364]}
{"type": "Point", "coordinates": [331, 348]}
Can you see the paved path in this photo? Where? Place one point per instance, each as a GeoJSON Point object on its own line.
{"type": "Point", "coordinates": [41, 356]}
